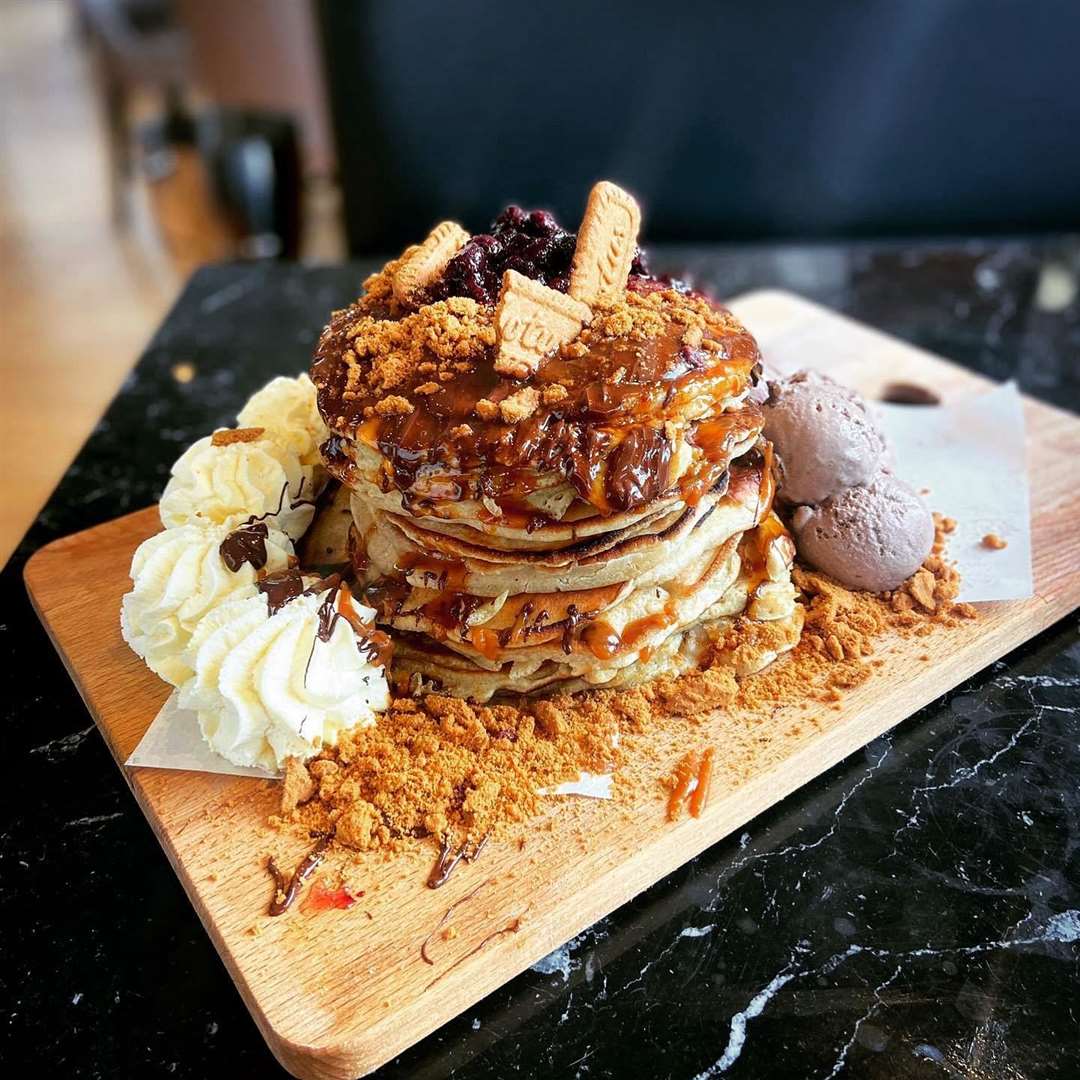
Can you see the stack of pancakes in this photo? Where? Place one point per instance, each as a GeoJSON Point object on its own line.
{"type": "Point", "coordinates": [602, 521]}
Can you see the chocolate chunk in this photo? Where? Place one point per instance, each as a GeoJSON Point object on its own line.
{"type": "Point", "coordinates": [245, 545]}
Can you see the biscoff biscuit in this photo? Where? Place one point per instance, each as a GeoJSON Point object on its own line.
{"type": "Point", "coordinates": [532, 321]}
{"type": "Point", "coordinates": [605, 245]}
{"type": "Point", "coordinates": [421, 266]}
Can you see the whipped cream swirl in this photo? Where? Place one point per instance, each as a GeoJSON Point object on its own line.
{"type": "Point", "coordinates": [181, 574]}
{"type": "Point", "coordinates": [287, 410]}
{"type": "Point", "coordinates": [271, 685]}
{"type": "Point", "coordinates": [233, 476]}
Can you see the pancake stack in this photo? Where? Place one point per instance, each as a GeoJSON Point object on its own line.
{"type": "Point", "coordinates": [596, 516]}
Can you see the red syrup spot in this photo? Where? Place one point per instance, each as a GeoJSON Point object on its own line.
{"type": "Point", "coordinates": [320, 898]}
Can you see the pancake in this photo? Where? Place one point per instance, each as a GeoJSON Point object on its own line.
{"type": "Point", "coordinates": [421, 664]}
{"type": "Point", "coordinates": [594, 636]}
{"type": "Point", "coordinates": [594, 520]}
{"type": "Point", "coordinates": [649, 399]}
{"type": "Point", "coordinates": [548, 510]}
{"type": "Point", "coordinates": [396, 548]}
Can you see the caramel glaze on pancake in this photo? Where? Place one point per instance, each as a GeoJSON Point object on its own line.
{"type": "Point", "coordinates": [607, 436]}
{"type": "Point", "coordinates": [450, 561]}
{"type": "Point", "coordinates": [571, 618]}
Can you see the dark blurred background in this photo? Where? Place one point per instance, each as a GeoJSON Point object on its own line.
{"type": "Point", "coordinates": [141, 138]}
{"type": "Point", "coordinates": [731, 120]}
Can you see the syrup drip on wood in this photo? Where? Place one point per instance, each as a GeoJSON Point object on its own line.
{"type": "Point", "coordinates": [684, 775]}
{"type": "Point", "coordinates": [320, 898]}
{"type": "Point", "coordinates": [700, 795]}
{"type": "Point", "coordinates": [286, 892]}
{"type": "Point", "coordinates": [448, 859]}
{"type": "Point", "coordinates": [692, 780]}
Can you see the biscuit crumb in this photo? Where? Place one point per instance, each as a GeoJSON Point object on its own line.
{"type": "Point", "coordinates": [922, 589]}
{"type": "Point", "coordinates": [994, 542]}
{"type": "Point", "coordinates": [693, 337]}
{"type": "Point", "coordinates": [231, 436]}
{"type": "Point", "coordinates": [297, 786]}
{"type": "Point", "coordinates": [394, 405]}
{"type": "Point", "coordinates": [520, 405]}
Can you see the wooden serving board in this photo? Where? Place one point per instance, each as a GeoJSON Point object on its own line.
{"type": "Point", "coordinates": [338, 993]}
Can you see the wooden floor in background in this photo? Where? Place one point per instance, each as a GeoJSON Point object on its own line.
{"type": "Point", "coordinates": [78, 300]}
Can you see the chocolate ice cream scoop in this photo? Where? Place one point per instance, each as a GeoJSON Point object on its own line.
{"type": "Point", "coordinates": [871, 537]}
{"type": "Point", "coordinates": [826, 438]}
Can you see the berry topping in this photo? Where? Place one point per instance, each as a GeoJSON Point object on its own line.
{"type": "Point", "coordinates": [529, 241]}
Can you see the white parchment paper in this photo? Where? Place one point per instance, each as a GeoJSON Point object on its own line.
{"type": "Point", "coordinates": [590, 785]}
{"type": "Point", "coordinates": [969, 458]}
{"type": "Point", "coordinates": [174, 741]}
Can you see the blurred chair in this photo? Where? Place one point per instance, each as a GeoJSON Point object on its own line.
{"type": "Point", "coordinates": [137, 46]}
{"type": "Point", "coordinates": [226, 181]}
{"type": "Point", "coordinates": [732, 120]}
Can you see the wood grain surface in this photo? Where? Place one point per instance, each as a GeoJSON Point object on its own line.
{"type": "Point", "coordinates": [338, 993]}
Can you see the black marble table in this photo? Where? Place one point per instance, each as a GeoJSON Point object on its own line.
{"type": "Point", "coordinates": [914, 912]}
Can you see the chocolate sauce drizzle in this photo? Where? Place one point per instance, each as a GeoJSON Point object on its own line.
{"type": "Point", "coordinates": [573, 617]}
{"type": "Point", "coordinates": [447, 863]}
{"type": "Point", "coordinates": [281, 587]}
{"type": "Point", "coordinates": [373, 645]}
{"type": "Point", "coordinates": [286, 892]}
{"type": "Point", "coordinates": [245, 545]}
{"type": "Point", "coordinates": [294, 504]}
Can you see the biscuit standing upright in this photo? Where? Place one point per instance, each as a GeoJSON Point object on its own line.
{"type": "Point", "coordinates": [424, 263]}
{"type": "Point", "coordinates": [606, 244]}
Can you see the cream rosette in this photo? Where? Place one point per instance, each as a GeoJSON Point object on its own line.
{"type": "Point", "coordinates": [286, 408]}
{"type": "Point", "coordinates": [268, 686]}
{"type": "Point", "coordinates": [234, 475]}
{"type": "Point", "coordinates": [178, 576]}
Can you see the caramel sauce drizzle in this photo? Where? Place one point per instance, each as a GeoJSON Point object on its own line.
{"type": "Point", "coordinates": [691, 782]}
{"type": "Point", "coordinates": [754, 551]}
{"type": "Point", "coordinates": [606, 437]}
